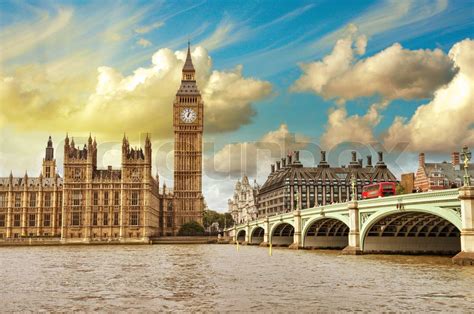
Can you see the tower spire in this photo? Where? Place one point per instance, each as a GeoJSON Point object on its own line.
{"type": "Point", "coordinates": [188, 64]}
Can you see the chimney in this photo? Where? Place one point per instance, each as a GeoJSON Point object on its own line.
{"type": "Point", "coordinates": [297, 155]}
{"type": "Point", "coordinates": [354, 156]}
{"type": "Point", "coordinates": [369, 161]}
{"type": "Point", "coordinates": [273, 168]}
{"type": "Point", "coordinates": [360, 162]}
{"type": "Point", "coordinates": [455, 158]}
{"type": "Point", "coordinates": [283, 162]}
{"type": "Point", "coordinates": [290, 159]}
{"type": "Point", "coordinates": [323, 155]}
{"type": "Point", "coordinates": [109, 168]}
{"type": "Point", "coordinates": [278, 165]}
{"type": "Point", "coordinates": [421, 160]}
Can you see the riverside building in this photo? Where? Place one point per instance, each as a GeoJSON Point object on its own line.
{"type": "Point", "coordinates": [105, 205]}
{"type": "Point", "coordinates": [290, 185]}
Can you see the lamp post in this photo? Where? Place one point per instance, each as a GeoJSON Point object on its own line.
{"type": "Point", "coordinates": [466, 155]}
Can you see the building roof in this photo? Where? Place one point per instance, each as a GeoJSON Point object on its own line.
{"type": "Point", "coordinates": [188, 64]}
{"type": "Point", "coordinates": [31, 181]}
{"type": "Point", "coordinates": [449, 171]}
{"type": "Point", "coordinates": [324, 173]}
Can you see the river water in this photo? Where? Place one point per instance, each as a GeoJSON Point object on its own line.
{"type": "Point", "coordinates": [222, 278]}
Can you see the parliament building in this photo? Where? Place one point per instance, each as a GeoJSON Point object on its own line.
{"type": "Point", "coordinates": [125, 205]}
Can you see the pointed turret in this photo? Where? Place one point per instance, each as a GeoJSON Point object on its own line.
{"type": "Point", "coordinates": [49, 154]}
{"type": "Point", "coordinates": [188, 64]}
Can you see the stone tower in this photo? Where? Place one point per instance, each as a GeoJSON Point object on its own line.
{"type": "Point", "coordinates": [188, 116]}
{"type": "Point", "coordinates": [49, 163]}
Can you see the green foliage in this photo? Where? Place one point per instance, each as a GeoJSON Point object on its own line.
{"type": "Point", "coordinates": [399, 189]}
{"type": "Point", "coordinates": [211, 216]}
{"type": "Point", "coordinates": [192, 228]}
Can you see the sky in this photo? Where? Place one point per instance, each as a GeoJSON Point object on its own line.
{"type": "Point", "coordinates": [275, 76]}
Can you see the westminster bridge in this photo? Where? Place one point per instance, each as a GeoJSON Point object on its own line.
{"type": "Point", "coordinates": [438, 222]}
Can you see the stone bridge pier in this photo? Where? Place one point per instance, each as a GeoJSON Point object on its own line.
{"type": "Point", "coordinates": [466, 256]}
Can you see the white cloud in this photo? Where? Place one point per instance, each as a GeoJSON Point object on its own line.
{"type": "Point", "coordinates": [144, 43]}
{"type": "Point", "coordinates": [19, 38]}
{"type": "Point", "coordinates": [446, 122]}
{"type": "Point", "coordinates": [354, 129]}
{"type": "Point", "coordinates": [32, 95]}
{"type": "Point", "coordinates": [254, 158]}
{"type": "Point", "coordinates": [250, 158]}
{"type": "Point", "coordinates": [392, 73]}
{"type": "Point", "coordinates": [148, 28]}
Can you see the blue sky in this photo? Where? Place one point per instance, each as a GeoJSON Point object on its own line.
{"type": "Point", "coordinates": [105, 66]}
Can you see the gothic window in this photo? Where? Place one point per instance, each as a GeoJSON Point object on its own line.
{"type": "Point", "coordinates": [94, 218]}
{"type": "Point", "coordinates": [47, 199]}
{"type": "Point", "coordinates": [16, 220]}
{"type": "Point", "coordinates": [135, 198]}
{"type": "Point", "coordinates": [76, 198]}
{"type": "Point", "coordinates": [31, 220]}
{"type": "Point", "coordinates": [77, 174]}
{"type": "Point", "coordinates": [46, 220]}
{"type": "Point", "coordinates": [17, 199]}
{"type": "Point", "coordinates": [2, 220]}
{"type": "Point", "coordinates": [76, 219]}
{"type": "Point", "coordinates": [96, 198]}
{"type": "Point", "coordinates": [117, 198]}
{"type": "Point", "coordinates": [134, 218]}
{"type": "Point", "coordinates": [48, 172]}
{"type": "Point", "coordinates": [3, 199]}
{"type": "Point", "coordinates": [116, 219]}
{"type": "Point", "coordinates": [105, 219]}
{"type": "Point", "coordinates": [106, 198]}
{"type": "Point", "coordinates": [32, 199]}
{"type": "Point", "coordinates": [60, 200]}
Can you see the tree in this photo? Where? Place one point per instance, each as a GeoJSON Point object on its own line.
{"type": "Point", "coordinates": [399, 189]}
{"type": "Point", "coordinates": [211, 216]}
{"type": "Point", "coordinates": [191, 228]}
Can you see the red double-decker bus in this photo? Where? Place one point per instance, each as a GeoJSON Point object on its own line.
{"type": "Point", "coordinates": [380, 189]}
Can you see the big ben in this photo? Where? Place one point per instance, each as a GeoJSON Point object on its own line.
{"type": "Point", "coordinates": [188, 116]}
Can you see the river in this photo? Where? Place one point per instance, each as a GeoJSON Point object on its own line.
{"type": "Point", "coordinates": [222, 278]}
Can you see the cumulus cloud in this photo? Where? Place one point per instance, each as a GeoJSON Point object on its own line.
{"type": "Point", "coordinates": [392, 73]}
{"type": "Point", "coordinates": [251, 158]}
{"type": "Point", "coordinates": [140, 102]}
{"type": "Point", "coordinates": [447, 121]}
{"type": "Point", "coordinates": [254, 158]}
{"type": "Point", "coordinates": [355, 129]}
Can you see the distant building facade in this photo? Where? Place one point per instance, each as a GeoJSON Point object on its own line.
{"type": "Point", "coordinates": [243, 205]}
{"type": "Point", "coordinates": [408, 182]}
{"type": "Point", "coordinates": [290, 185]}
{"type": "Point", "coordinates": [440, 175]}
{"type": "Point", "coordinates": [88, 204]}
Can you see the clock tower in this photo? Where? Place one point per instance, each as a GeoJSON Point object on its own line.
{"type": "Point", "coordinates": [188, 115]}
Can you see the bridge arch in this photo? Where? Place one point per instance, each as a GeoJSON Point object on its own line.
{"type": "Point", "coordinates": [420, 229]}
{"type": "Point", "coordinates": [257, 235]}
{"type": "Point", "coordinates": [282, 233]}
{"type": "Point", "coordinates": [329, 231]}
{"type": "Point", "coordinates": [240, 237]}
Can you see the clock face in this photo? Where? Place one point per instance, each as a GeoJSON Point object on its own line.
{"type": "Point", "coordinates": [188, 115]}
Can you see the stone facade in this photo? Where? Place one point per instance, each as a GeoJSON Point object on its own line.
{"type": "Point", "coordinates": [243, 205]}
{"type": "Point", "coordinates": [108, 205]}
{"type": "Point", "coordinates": [188, 122]}
{"type": "Point", "coordinates": [291, 185]}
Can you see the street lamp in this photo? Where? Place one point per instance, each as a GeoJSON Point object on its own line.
{"type": "Point", "coordinates": [466, 155]}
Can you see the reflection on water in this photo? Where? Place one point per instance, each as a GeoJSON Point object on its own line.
{"type": "Point", "coordinates": [218, 277]}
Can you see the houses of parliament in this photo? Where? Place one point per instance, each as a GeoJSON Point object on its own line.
{"type": "Point", "coordinates": [125, 205]}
